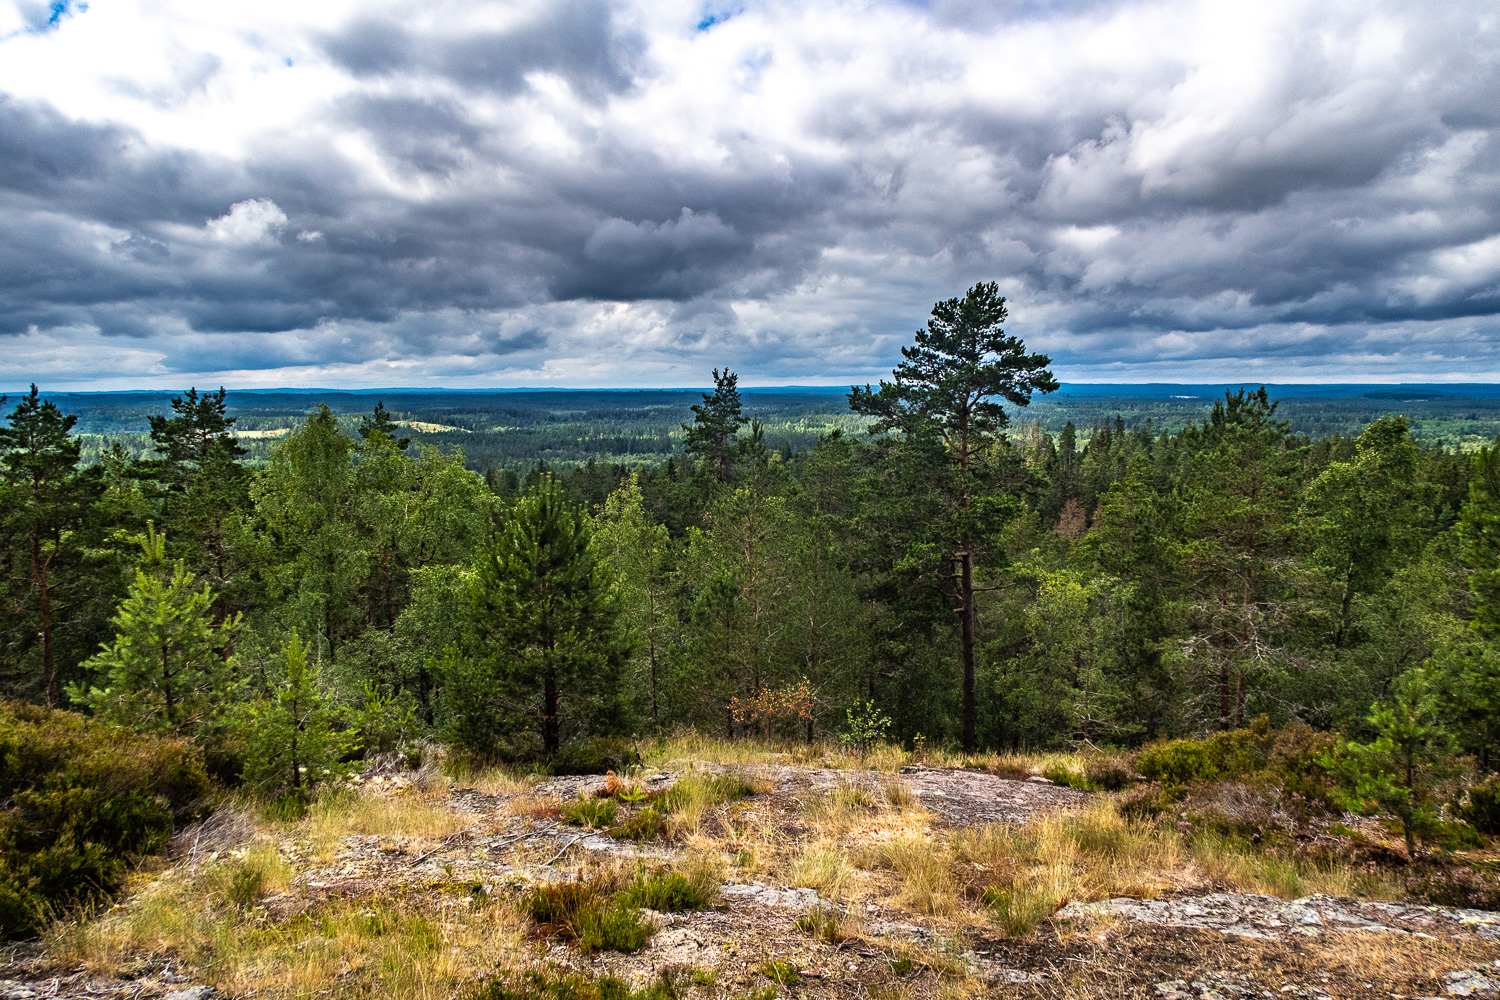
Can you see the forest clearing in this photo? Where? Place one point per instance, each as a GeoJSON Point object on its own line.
{"type": "Point", "coordinates": [746, 870]}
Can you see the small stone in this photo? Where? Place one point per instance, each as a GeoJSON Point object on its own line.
{"type": "Point", "coordinates": [12, 990]}
{"type": "Point", "coordinates": [192, 993]}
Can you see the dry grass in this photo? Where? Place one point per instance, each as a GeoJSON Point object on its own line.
{"type": "Point", "coordinates": [866, 839]}
{"type": "Point", "coordinates": [1015, 877]}
{"type": "Point", "coordinates": [406, 813]}
{"type": "Point", "coordinates": [404, 950]}
{"type": "Point", "coordinates": [490, 780]}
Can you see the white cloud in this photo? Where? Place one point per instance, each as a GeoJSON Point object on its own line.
{"type": "Point", "coordinates": [256, 220]}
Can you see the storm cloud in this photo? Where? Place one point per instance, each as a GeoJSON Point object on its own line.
{"type": "Point", "coordinates": [594, 193]}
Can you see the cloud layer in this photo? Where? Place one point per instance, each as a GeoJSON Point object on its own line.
{"type": "Point", "coordinates": [589, 193]}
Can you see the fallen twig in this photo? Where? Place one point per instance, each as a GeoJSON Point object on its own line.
{"type": "Point", "coordinates": [446, 842]}
{"type": "Point", "coordinates": [563, 851]}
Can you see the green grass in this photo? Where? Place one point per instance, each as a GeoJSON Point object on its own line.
{"type": "Point", "coordinates": [590, 812]}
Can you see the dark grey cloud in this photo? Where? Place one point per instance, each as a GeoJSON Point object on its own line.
{"type": "Point", "coordinates": [576, 39]}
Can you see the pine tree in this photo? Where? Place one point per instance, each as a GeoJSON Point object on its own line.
{"type": "Point", "coordinates": [380, 422]}
{"type": "Point", "coordinates": [199, 431]}
{"type": "Point", "coordinates": [716, 421]}
{"type": "Point", "coordinates": [1410, 754]}
{"type": "Point", "coordinates": [962, 363]}
{"type": "Point", "coordinates": [42, 505]}
{"type": "Point", "coordinates": [165, 669]}
{"type": "Point", "coordinates": [549, 608]}
{"type": "Point", "coordinates": [203, 485]}
{"type": "Point", "coordinates": [294, 744]}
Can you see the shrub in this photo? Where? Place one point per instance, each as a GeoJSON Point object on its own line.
{"type": "Point", "coordinates": [1143, 802]}
{"type": "Point", "coordinates": [1292, 759]}
{"type": "Point", "coordinates": [585, 913]}
{"type": "Point", "coordinates": [589, 812]}
{"type": "Point", "coordinates": [557, 985]}
{"type": "Point", "coordinates": [553, 907]}
{"type": "Point", "coordinates": [594, 756]}
{"type": "Point", "coordinates": [611, 927]}
{"type": "Point", "coordinates": [668, 892]}
{"type": "Point", "coordinates": [648, 824]}
{"type": "Point", "coordinates": [86, 801]}
{"type": "Point", "coordinates": [1108, 774]}
{"type": "Point", "coordinates": [864, 727]}
{"type": "Point", "coordinates": [1480, 806]}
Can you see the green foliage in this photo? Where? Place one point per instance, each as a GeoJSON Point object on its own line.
{"type": "Point", "coordinates": [1291, 759]}
{"type": "Point", "coordinates": [589, 812]}
{"type": "Point", "coordinates": [382, 721]}
{"type": "Point", "coordinates": [716, 421]}
{"type": "Point", "coordinates": [1411, 753]}
{"type": "Point", "coordinates": [1480, 806]}
{"type": "Point", "coordinates": [668, 892]}
{"type": "Point", "coordinates": [782, 973]}
{"type": "Point", "coordinates": [594, 755]}
{"type": "Point", "coordinates": [706, 791]}
{"type": "Point", "coordinates": [552, 984]}
{"type": "Point", "coordinates": [86, 800]}
{"type": "Point", "coordinates": [646, 824]}
{"type": "Point", "coordinates": [294, 741]}
{"type": "Point", "coordinates": [166, 669]}
{"type": "Point", "coordinates": [865, 727]}
{"type": "Point", "coordinates": [583, 913]}
{"type": "Point", "coordinates": [550, 610]}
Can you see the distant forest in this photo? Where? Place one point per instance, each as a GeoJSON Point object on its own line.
{"type": "Point", "coordinates": [964, 555]}
{"type": "Point", "coordinates": [515, 429]}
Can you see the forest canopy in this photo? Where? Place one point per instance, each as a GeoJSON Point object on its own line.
{"type": "Point", "coordinates": [975, 580]}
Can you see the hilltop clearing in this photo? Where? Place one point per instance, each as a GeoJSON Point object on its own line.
{"type": "Point", "coordinates": [711, 876]}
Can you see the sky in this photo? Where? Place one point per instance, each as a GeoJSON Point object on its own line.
{"type": "Point", "coordinates": [588, 193]}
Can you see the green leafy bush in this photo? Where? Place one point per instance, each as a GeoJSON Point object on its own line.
{"type": "Point", "coordinates": [865, 726]}
{"type": "Point", "coordinates": [86, 800]}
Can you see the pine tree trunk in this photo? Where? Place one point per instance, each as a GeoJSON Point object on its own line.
{"type": "Point", "coordinates": [43, 582]}
{"type": "Point", "coordinates": [549, 711]}
{"type": "Point", "coordinates": [966, 613]}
